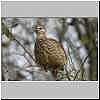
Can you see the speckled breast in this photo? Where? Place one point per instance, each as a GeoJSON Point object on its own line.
{"type": "Point", "coordinates": [49, 52]}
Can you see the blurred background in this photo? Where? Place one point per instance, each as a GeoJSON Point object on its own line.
{"type": "Point", "coordinates": [79, 37]}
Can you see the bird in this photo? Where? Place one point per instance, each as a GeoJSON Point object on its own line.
{"type": "Point", "coordinates": [49, 53]}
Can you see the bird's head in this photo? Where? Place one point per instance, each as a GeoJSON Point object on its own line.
{"type": "Point", "coordinates": [39, 29]}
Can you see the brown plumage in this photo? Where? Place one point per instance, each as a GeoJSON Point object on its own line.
{"type": "Point", "coordinates": [49, 53]}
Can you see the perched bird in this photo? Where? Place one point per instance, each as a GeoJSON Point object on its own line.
{"type": "Point", "coordinates": [49, 53]}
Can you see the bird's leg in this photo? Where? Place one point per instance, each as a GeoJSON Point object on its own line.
{"type": "Point", "coordinates": [46, 68]}
{"type": "Point", "coordinates": [55, 72]}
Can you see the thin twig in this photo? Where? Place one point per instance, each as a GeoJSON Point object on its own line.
{"type": "Point", "coordinates": [23, 56]}
{"type": "Point", "coordinates": [27, 59]}
{"type": "Point", "coordinates": [81, 65]}
{"type": "Point", "coordinates": [67, 74]}
{"type": "Point", "coordinates": [24, 48]}
{"type": "Point", "coordinates": [70, 56]}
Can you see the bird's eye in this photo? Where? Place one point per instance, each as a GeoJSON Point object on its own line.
{"type": "Point", "coordinates": [39, 28]}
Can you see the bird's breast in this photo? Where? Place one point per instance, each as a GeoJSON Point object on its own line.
{"type": "Point", "coordinates": [49, 52]}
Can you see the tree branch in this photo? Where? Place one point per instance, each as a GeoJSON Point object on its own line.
{"type": "Point", "coordinates": [81, 67]}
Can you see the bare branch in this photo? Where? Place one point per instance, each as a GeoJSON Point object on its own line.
{"type": "Point", "coordinates": [81, 66]}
